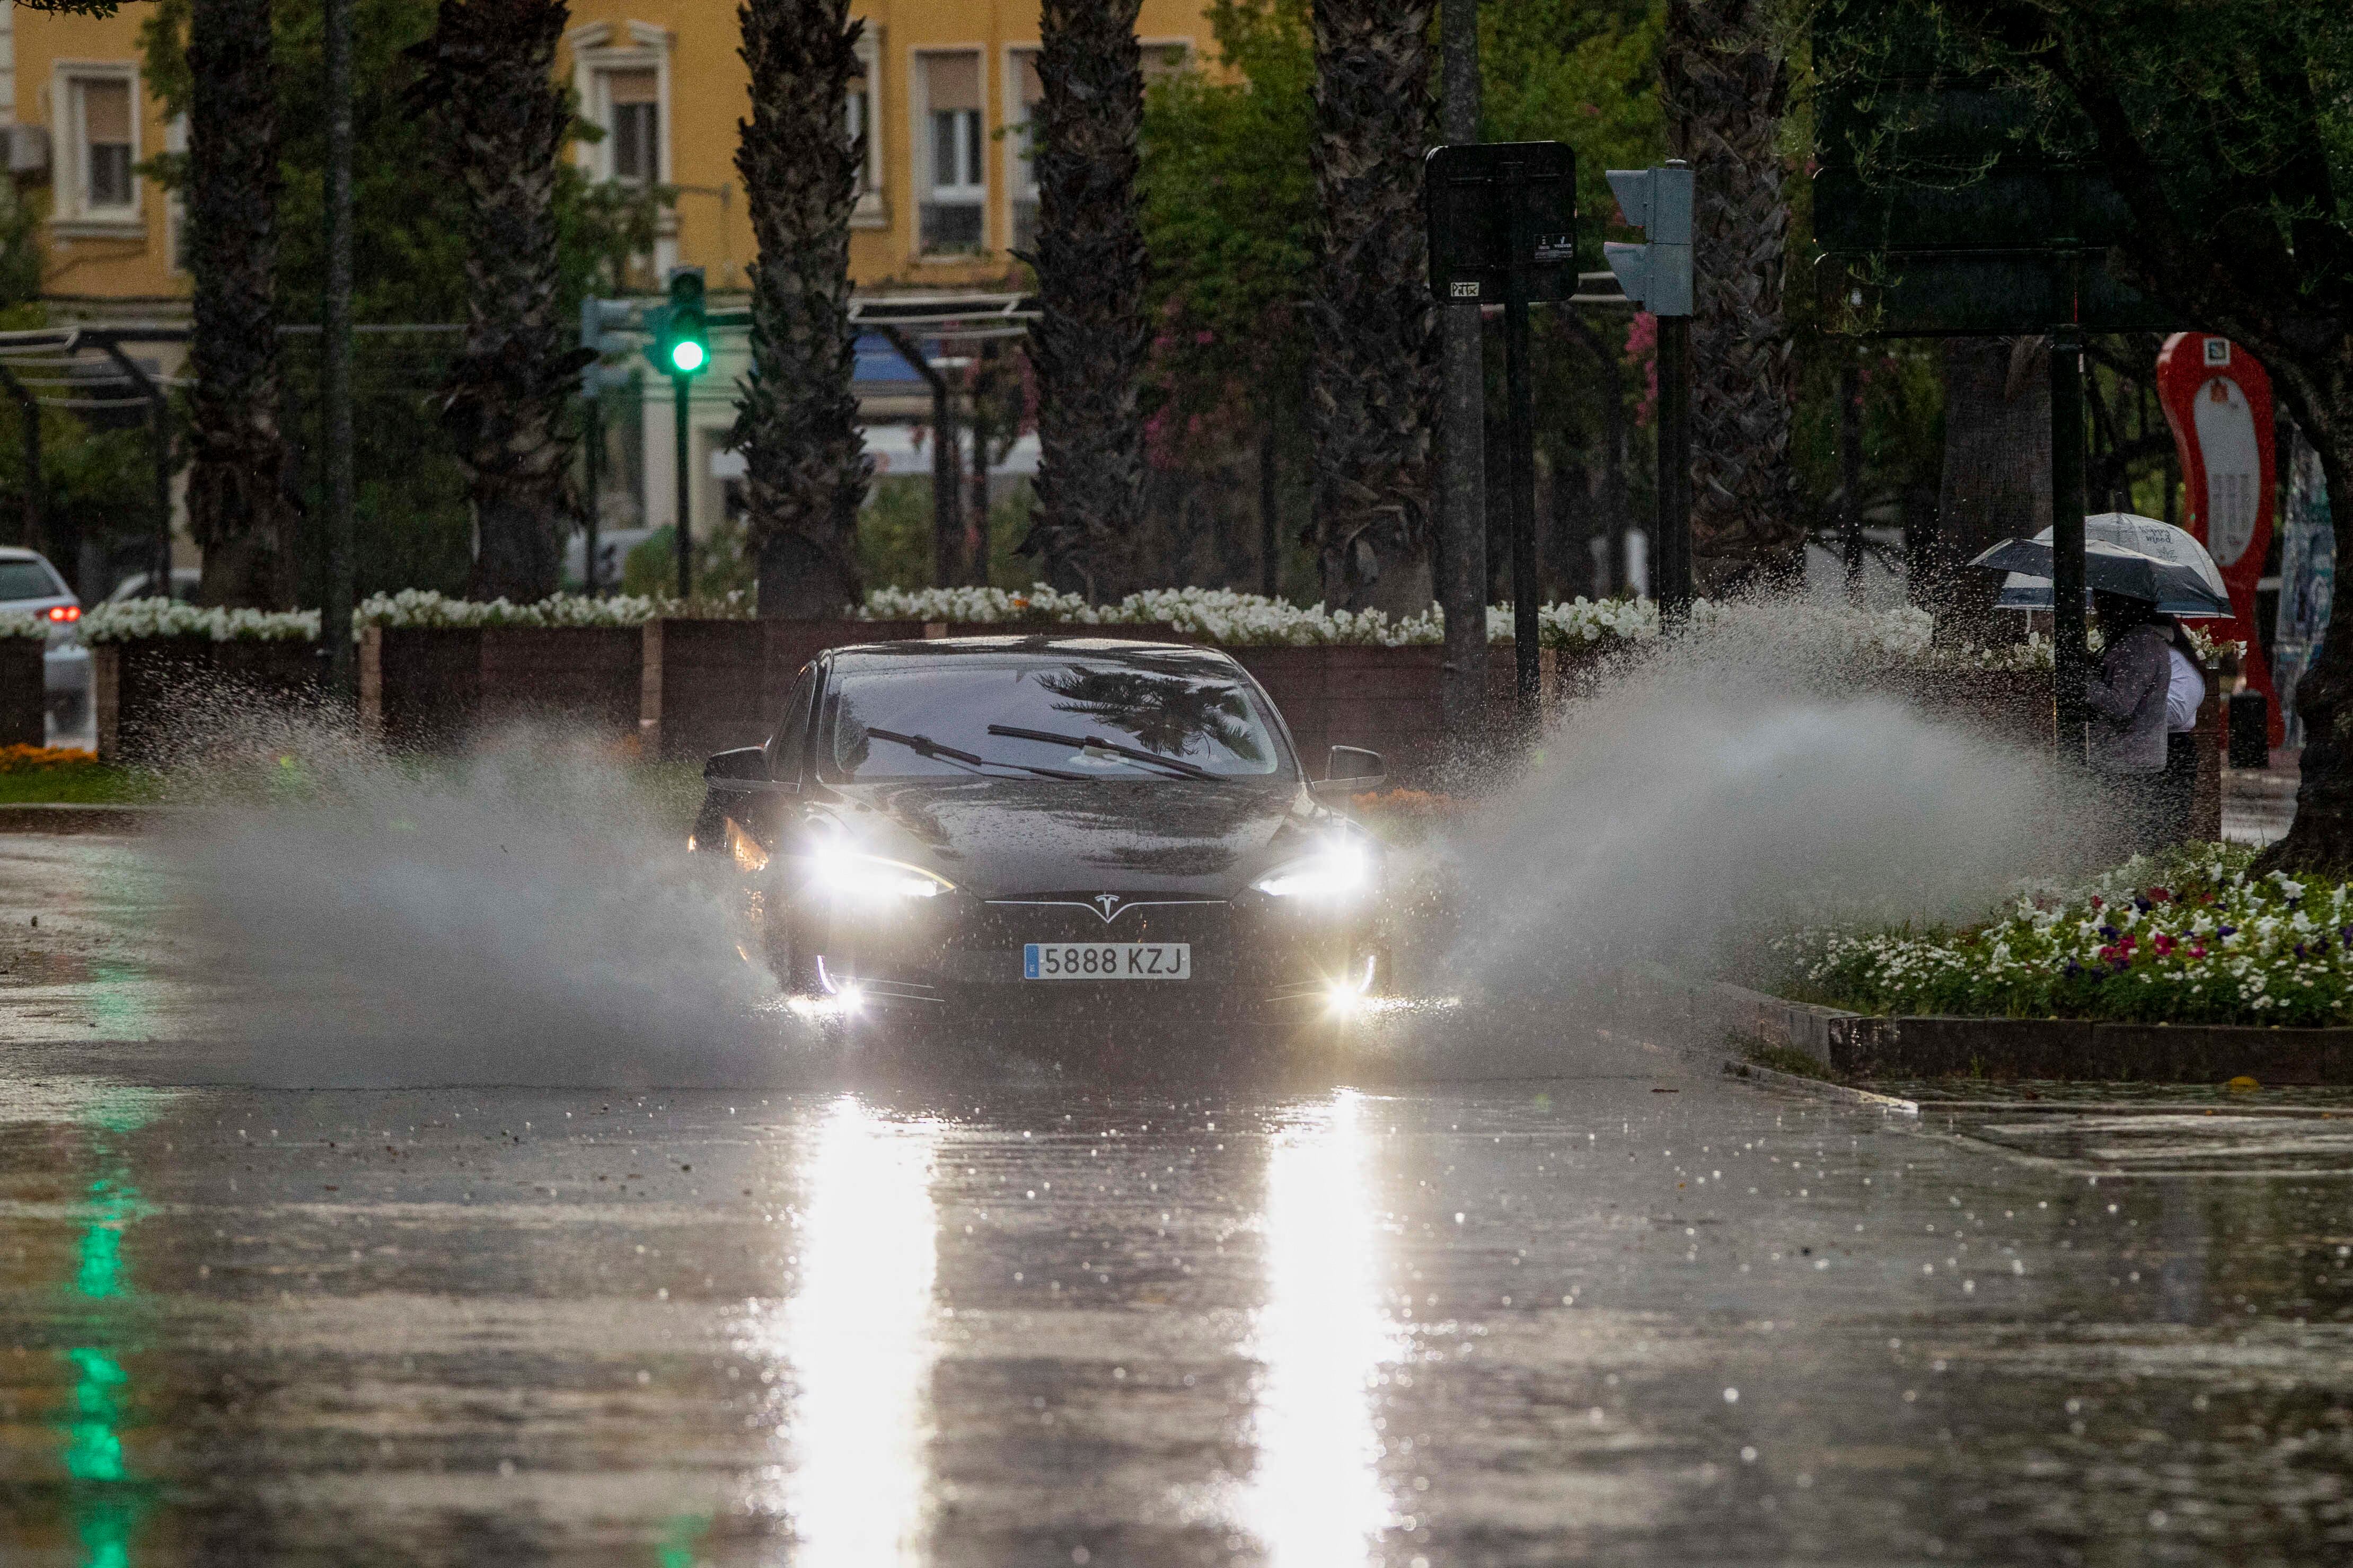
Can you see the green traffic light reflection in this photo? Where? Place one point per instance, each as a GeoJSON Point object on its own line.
{"type": "Point", "coordinates": [104, 1499]}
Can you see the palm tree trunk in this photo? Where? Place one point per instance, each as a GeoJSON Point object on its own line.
{"type": "Point", "coordinates": [238, 510]}
{"type": "Point", "coordinates": [1087, 346]}
{"type": "Point", "coordinates": [491, 78]}
{"type": "Point", "coordinates": [1725, 85]}
{"type": "Point", "coordinates": [806, 468]}
{"type": "Point", "coordinates": [1374, 379]}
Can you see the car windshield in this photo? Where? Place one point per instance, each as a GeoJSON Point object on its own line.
{"type": "Point", "coordinates": [22, 579]}
{"type": "Point", "coordinates": [1077, 717]}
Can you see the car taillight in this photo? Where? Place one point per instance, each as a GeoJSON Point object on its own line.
{"type": "Point", "coordinates": [65, 612]}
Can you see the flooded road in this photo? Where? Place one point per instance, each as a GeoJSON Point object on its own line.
{"type": "Point", "coordinates": [1637, 1315]}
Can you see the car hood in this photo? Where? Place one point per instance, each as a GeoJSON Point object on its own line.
{"type": "Point", "coordinates": [1013, 837]}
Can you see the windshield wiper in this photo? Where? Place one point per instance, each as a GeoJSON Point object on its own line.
{"type": "Point", "coordinates": [924, 746]}
{"type": "Point", "coordinates": [1097, 743]}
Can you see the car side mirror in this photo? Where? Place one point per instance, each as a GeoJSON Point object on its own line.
{"type": "Point", "coordinates": [744, 769]}
{"type": "Point", "coordinates": [1350, 770]}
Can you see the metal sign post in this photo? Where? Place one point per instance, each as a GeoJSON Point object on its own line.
{"type": "Point", "coordinates": [1501, 220]}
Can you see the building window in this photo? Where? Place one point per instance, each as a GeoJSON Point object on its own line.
{"type": "Point", "coordinates": [107, 144]}
{"type": "Point", "coordinates": [632, 124]}
{"type": "Point", "coordinates": [956, 186]}
{"type": "Point", "coordinates": [1020, 144]}
{"type": "Point", "coordinates": [631, 116]}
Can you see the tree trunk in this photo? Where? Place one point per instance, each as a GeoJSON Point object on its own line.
{"type": "Point", "coordinates": [238, 512]}
{"type": "Point", "coordinates": [806, 468]}
{"type": "Point", "coordinates": [1996, 482]}
{"type": "Point", "coordinates": [1088, 344]}
{"type": "Point", "coordinates": [489, 78]}
{"type": "Point", "coordinates": [1374, 380]}
{"type": "Point", "coordinates": [1725, 84]}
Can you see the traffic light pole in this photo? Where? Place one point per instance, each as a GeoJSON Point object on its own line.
{"type": "Point", "coordinates": [1526, 594]}
{"type": "Point", "coordinates": [1675, 554]}
{"type": "Point", "coordinates": [680, 386]}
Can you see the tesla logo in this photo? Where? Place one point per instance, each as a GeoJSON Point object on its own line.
{"type": "Point", "coordinates": [1108, 903]}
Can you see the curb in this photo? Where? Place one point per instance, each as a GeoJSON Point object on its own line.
{"type": "Point", "coordinates": [2087, 1108]}
{"type": "Point", "coordinates": [62, 817]}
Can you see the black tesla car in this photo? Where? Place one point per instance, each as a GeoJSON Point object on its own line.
{"type": "Point", "coordinates": [1047, 830]}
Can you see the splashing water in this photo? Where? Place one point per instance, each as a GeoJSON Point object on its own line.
{"type": "Point", "coordinates": [516, 916]}
{"type": "Point", "coordinates": [1743, 779]}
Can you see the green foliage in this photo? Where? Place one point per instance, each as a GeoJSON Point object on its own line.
{"type": "Point", "coordinates": [1582, 71]}
{"type": "Point", "coordinates": [1229, 224]}
{"type": "Point", "coordinates": [415, 528]}
{"type": "Point", "coordinates": [895, 532]}
{"type": "Point", "coordinates": [722, 563]}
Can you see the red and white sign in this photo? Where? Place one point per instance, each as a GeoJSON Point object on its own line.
{"type": "Point", "coordinates": [2218, 400]}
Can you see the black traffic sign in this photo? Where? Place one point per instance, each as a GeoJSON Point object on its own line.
{"type": "Point", "coordinates": [1469, 194]}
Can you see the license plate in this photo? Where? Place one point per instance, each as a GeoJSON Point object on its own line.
{"type": "Point", "coordinates": [1107, 960]}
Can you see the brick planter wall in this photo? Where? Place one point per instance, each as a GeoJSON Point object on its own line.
{"type": "Point", "coordinates": [441, 687]}
{"type": "Point", "coordinates": [23, 696]}
{"type": "Point", "coordinates": [144, 689]}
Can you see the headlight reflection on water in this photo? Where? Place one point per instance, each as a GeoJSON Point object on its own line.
{"type": "Point", "coordinates": [1321, 1338]}
{"type": "Point", "coordinates": [860, 1341]}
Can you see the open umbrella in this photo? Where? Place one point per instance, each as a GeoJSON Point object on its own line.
{"type": "Point", "coordinates": [2138, 557]}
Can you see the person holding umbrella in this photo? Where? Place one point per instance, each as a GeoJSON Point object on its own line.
{"type": "Point", "coordinates": [2140, 573]}
{"type": "Point", "coordinates": [2128, 697]}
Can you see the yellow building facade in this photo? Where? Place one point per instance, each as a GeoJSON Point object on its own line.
{"type": "Point", "coordinates": [944, 103]}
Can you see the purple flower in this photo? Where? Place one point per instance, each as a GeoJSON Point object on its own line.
{"type": "Point", "coordinates": [2226, 931]}
{"type": "Point", "coordinates": [2143, 905]}
{"type": "Point", "coordinates": [2109, 932]}
{"type": "Point", "coordinates": [2300, 952]}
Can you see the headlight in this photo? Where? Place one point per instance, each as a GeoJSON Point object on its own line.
{"type": "Point", "coordinates": [870, 879]}
{"type": "Point", "coordinates": [1337, 873]}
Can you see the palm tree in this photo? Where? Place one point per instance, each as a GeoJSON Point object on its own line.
{"type": "Point", "coordinates": [1374, 375]}
{"type": "Point", "coordinates": [238, 510]}
{"type": "Point", "coordinates": [1087, 346]}
{"type": "Point", "coordinates": [1725, 84]}
{"type": "Point", "coordinates": [490, 75]}
{"type": "Point", "coordinates": [805, 460]}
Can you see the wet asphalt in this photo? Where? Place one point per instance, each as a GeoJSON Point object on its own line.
{"type": "Point", "coordinates": [1639, 1314]}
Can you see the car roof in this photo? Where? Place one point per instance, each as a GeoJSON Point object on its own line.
{"type": "Point", "coordinates": [1115, 650]}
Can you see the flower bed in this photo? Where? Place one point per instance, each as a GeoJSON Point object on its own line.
{"type": "Point", "coordinates": [22, 623]}
{"type": "Point", "coordinates": [138, 620]}
{"type": "Point", "coordinates": [419, 609]}
{"type": "Point", "coordinates": [2188, 937]}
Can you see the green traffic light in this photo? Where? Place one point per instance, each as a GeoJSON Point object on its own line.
{"type": "Point", "coordinates": [686, 356]}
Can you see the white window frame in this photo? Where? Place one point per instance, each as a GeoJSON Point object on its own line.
{"type": "Point", "coordinates": [925, 189]}
{"type": "Point", "coordinates": [1020, 178]}
{"type": "Point", "coordinates": [601, 46]}
{"type": "Point", "coordinates": [176, 205]}
{"type": "Point", "coordinates": [873, 208]}
{"type": "Point", "coordinates": [75, 217]}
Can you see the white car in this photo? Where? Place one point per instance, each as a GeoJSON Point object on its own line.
{"type": "Point", "coordinates": [28, 583]}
